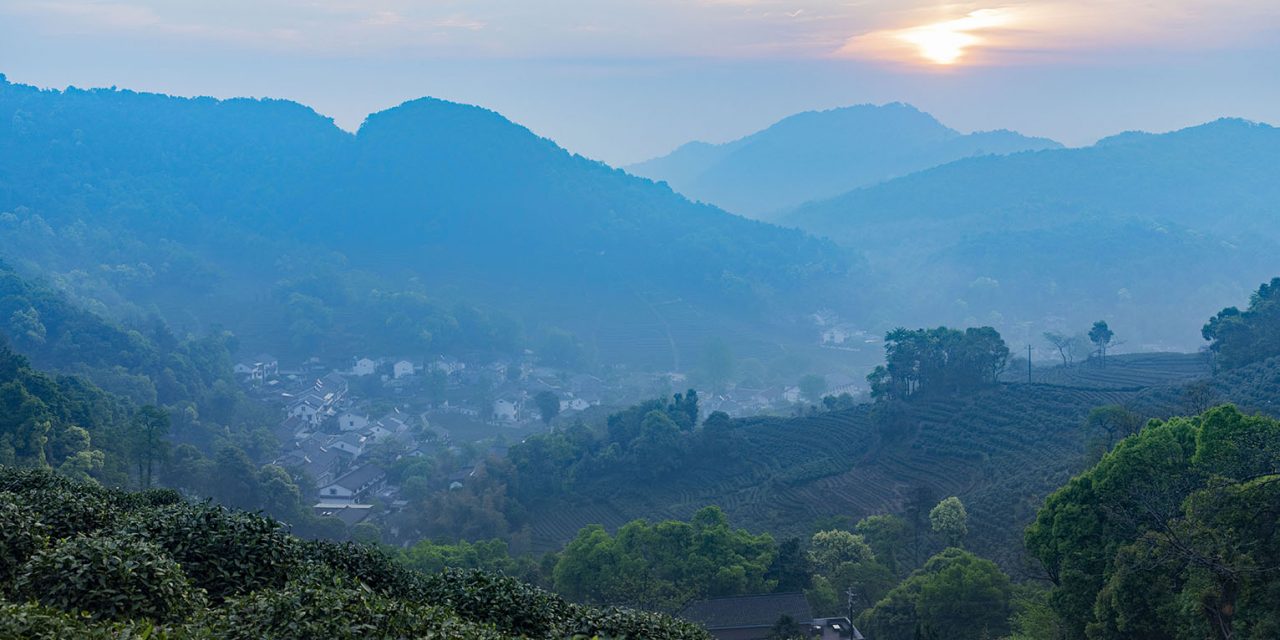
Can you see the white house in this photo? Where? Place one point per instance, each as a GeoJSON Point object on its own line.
{"type": "Point", "coordinates": [504, 411]}
{"type": "Point", "coordinates": [377, 433]}
{"type": "Point", "coordinates": [363, 367]}
{"type": "Point", "coordinates": [402, 369]}
{"type": "Point", "coordinates": [308, 408]}
{"type": "Point", "coordinates": [355, 485]}
{"type": "Point", "coordinates": [351, 421]}
{"type": "Point", "coordinates": [352, 443]}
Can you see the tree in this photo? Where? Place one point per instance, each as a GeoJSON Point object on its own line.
{"type": "Point", "coordinates": [1064, 344]}
{"type": "Point", "coordinates": [830, 549]}
{"type": "Point", "coordinates": [663, 565]}
{"type": "Point", "coordinates": [786, 628]}
{"type": "Point", "coordinates": [949, 520]}
{"type": "Point", "coordinates": [955, 595]}
{"type": "Point", "coordinates": [1171, 534]}
{"type": "Point", "coordinates": [548, 406]}
{"type": "Point", "coordinates": [887, 535]}
{"type": "Point", "coordinates": [150, 426]}
{"type": "Point", "coordinates": [1238, 338]}
{"type": "Point", "coordinates": [938, 360]}
{"type": "Point", "coordinates": [790, 569]}
{"type": "Point", "coordinates": [1100, 335]}
{"type": "Point", "coordinates": [1107, 425]}
{"type": "Point", "coordinates": [812, 387]}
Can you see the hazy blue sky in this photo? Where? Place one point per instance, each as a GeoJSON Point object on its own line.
{"type": "Point", "coordinates": [623, 80]}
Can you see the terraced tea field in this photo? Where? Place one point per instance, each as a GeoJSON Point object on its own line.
{"type": "Point", "coordinates": [1002, 451]}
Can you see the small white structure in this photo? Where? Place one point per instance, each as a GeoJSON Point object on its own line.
{"type": "Point", "coordinates": [402, 369]}
{"type": "Point", "coordinates": [504, 411]}
{"type": "Point", "coordinates": [352, 443]}
{"type": "Point", "coordinates": [363, 367]}
{"type": "Point", "coordinates": [574, 404]}
{"type": "Point", "coordinates": [377, 433]}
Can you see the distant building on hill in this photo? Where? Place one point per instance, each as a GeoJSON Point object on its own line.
{"type": "Point", "coordinates": [754, 617]}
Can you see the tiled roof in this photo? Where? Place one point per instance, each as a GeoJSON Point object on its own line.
{"type": "Point", "coordinates": [748, 611]}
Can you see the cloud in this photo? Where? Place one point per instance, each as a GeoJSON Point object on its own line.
{"type": "Point", "coordinates": [900, 31]}
{"type": "Point", "coordinates": [1034, 31]}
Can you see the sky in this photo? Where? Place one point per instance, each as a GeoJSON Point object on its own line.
{"type": "Point", "coordinates": [626, 80]}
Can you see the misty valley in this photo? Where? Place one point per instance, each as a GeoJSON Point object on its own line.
{"type": "Point", "coordinates": [857, 374]}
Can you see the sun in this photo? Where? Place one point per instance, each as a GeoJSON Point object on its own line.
{"type": "Point", "coordinates": [940, 45]}
{"type": "Point", "coordinates": [946, 43]}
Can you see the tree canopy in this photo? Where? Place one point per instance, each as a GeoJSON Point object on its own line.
{"type": "Point", "coordinates": [938, 361]}
{"type": "Point", "coordinates": [1172, 534]}
{"type": "Point", "coordinates": [1238, 337]}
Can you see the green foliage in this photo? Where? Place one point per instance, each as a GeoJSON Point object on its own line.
{"type": "Point", "coordinates": [667, 564]}
{"type": "Point", "coordinates": [21, 536]}
{"type": "Point", "coordinates": [955, 595]}
{"type": "Point", "coordinates": [941, 361]}
{"type": "Point", "coordinates": [1100, 335]}
{"type": "Point", "coordinates": [492, 556]}
{"type": "Point", "coordinates": [133, 570]}
{"type": "Point", "coordinates": [1107, 425]}
{"type": "Point", "coordinates": [224, 552]}
{"type": "Point", "coordinates": [32, 621]}
{"type": "Point", "coordinates": [548, 406]}
{"type": "Point", "coordinates": [1171, 534]}
{"type": "Point", "coordinates": [950, 520]}
{"type": "Point", "coordinates": [887, 536]}
{"type": "Point", "coordinates": [108, 577]}
{"type": "Point", "coordinates": [830, 549]}
{"type": "Point", "coordinates": [342, 610]}
{"type": "Point", "coordinates": [1239, 338]}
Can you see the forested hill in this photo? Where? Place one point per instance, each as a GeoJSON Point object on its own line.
{"type": "Point", "coordinates": [1149, 231]}
{"type": "Point", "coordinates": [138, 201]}
{"type": "Point", "coordinates": [1224, 168]}
{"type": "Point", "coordinates": [821, 154]}
{"type": "Point", "coordinates": [1001, 450]}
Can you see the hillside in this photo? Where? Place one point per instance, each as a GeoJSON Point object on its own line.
{"type": "Point", "coordinates": [133, 202]}
{"type": "Point", "coordinates": [87, 562]}
{"type": "Point", "coordinates": [1147, 231]}
{"type": "Point", "coordinates": [1001, 451]}
{"type": "Point", "coordinates": [820, 154]}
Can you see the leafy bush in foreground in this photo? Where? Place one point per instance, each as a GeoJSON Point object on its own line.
{"type": "Point", "coordinates": [81, 561]}
{"type": "Point", "coordinates": [108, 577]}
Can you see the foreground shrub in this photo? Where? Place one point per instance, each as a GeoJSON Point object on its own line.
{"type": "Point", "coordinates": [224, 552]}
{"type": "Point", "coordinates": [21, 535]}
{"type": "Point", "coordinates": [510, 605]}
{"type": "Point", "coordinates": [339, 611]}
{"type": "Point", "coordinates": [618, 624]}
{"type": "Point", "coordinates": [109, 577]}
{"type": "Point", "coordinates": [377, 570]}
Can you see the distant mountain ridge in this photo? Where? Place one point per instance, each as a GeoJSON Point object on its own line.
{"type": "Point", "coordinates": [248, 202]}
{"type": "Point", "coordinates": [819, 154]}
{"type": "Point", "coordinates": [1151, 231]}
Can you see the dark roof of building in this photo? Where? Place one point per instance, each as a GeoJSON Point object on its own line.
{"type": "Point", "coordinates": [360, 477]}
{"type": "Point", "coordinates": [349, 515]}
{"type": "Point", "coordinates": [748, 611]}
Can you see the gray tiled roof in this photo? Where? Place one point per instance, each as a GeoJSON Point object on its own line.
{"type": "Point", "coordinates": [748, 611]}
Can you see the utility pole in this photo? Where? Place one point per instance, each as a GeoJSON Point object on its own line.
{"type": "Point", "coordinates": [1028, 364]}
{"type": "Point", "coordinates": [852, 596]}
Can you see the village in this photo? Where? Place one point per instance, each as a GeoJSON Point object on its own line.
{"type": "Point", "coordinates": [340, 425]}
